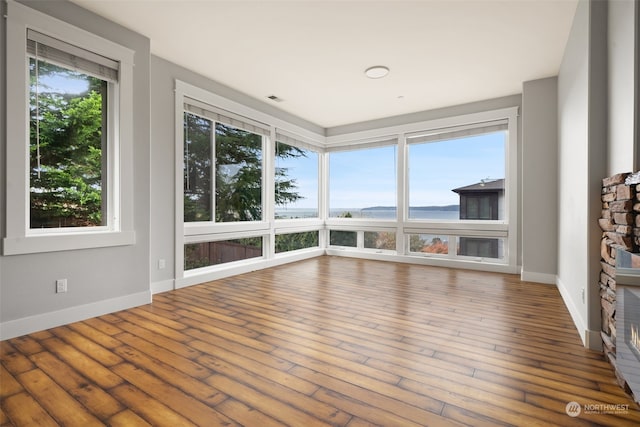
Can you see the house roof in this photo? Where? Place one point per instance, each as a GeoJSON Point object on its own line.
{"type": "Point", "coordinates": [484, 185]}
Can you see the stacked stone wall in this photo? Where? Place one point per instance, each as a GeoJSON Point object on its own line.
{"type": "Point", "coordinates": [620, 224]}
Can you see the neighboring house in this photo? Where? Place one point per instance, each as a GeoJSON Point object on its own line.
{"type": "Point", "coordinates": [484, 201]}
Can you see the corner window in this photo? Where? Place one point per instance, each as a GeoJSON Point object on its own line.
{"type": "Point", "coordinates": [70, 134]}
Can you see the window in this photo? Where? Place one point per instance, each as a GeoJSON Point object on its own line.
{"type": "Point", "coordinates": [479, 206]}
{"type": "Point", "coordinates": [295, 241]}
{"type": "Point", "coordinates": [428, 244]}
{"type": "Point", "coordinates": [65, 181]}
{"type": "Point", "coordinates": [362, 183]}
{"type": "Point", "coordinates": [296, 181]}
{"type": "Point", "coordinates": [198, 168]}
{"type": "Point", "coordinates": [68, 153]}
{"type": "Point", "coordinates": [223, 166]}
{"type": "Point", "coordinates": [457, 175]}
{"type": "Point", "coordinates": [204, 254]}
{"type": "Point", "coordinates": [381, 240]}
{"type": "Point", "coordinates": [343, 238]}
{"type": "Point", "coordinates": [480, 247]}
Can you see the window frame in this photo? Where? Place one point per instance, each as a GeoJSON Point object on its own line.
{"type": "Point", "coordinates": [284, 137]}
{"type": "Point", "coordinates": [355, 147]}
{"type": "Point", "coordinates": [266, 228]}
{"type": "Point", "coordinates": [212, 224]}
{"type": "Point", "coordinates": [505, 228]}
{"type": "Point", "coordinates": [119, 229]}
{"type": "Point", "coordinates": [223, 238]}
{"type": "Point", "coordinates": [492, 199]}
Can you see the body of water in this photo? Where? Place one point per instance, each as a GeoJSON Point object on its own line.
{"type": "Point", "coordinates": [414, 213]}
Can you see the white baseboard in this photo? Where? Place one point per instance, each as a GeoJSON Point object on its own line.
{"type": "Point", "coordinates": [162, 286]}
{"type": "Point", "coordinates": [39, 322]}
{"type": "Point", "coordinates": [423, 260]}
{"type": "Point", "coordinates": [532, 276]}
{"type": "Point", "coordinates": [241, 267]}
{"type": "Point", "coordinates": [590, 339]}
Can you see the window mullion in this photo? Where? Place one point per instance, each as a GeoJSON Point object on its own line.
{"type": "Point", "coordinates": [107, 189]}
{"type": "Point", "coordinates": [402, 194]}
{"type": "Point", "coordinates": [213, 168]}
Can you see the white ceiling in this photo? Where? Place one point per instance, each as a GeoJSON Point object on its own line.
{"type": "Point", "coordinates": [312, 54]}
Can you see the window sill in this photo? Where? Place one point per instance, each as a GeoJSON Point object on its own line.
{"type": "Point", "coordinates": [66, 242]}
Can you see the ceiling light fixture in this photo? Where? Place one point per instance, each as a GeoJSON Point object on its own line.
{"type": "Point", "coordinates": [376, 72]}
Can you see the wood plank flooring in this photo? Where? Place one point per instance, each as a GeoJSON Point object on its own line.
{"type": "Point", "coordinates": [327, 341]}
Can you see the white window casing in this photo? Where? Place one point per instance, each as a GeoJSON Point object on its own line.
{"type": "Point", "coordinates": [95, 56]}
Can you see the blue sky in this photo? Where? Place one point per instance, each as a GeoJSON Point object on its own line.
{"type": "Point", "coordinates": [305, 171]}
{"type": "Point", "coordinates": [64, 81]}
{"type": "Point", "coordinates": [363, 178]}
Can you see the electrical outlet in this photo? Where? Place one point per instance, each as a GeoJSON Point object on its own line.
{"type": "Point", "coordinates": [582, 295]}
{"type": "Point", "coordinates": [161, 264]}
{"type": "Point", "coordinates": [61, 286]}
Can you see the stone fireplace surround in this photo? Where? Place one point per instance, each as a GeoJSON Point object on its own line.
{"type": "Point", "coordinates": [620, 224]}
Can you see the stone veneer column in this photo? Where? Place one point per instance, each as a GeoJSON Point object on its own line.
{"type": "Point", "coordinates": [620, 223]}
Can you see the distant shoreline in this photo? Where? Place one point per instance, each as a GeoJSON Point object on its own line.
{"type": "Point", "coordinates": [447, 212]}
{"type": "Point", "coordinates": [445, 208]}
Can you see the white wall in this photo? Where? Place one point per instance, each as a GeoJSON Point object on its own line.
{"type": "Point", "coordinates": [99, 280]}
{"type": "Point", "coordinates": [622, 87]}
{"type": "Point", "coordinates": [582, 153]}
{"type": "Point", "coordinates": [539, 172]}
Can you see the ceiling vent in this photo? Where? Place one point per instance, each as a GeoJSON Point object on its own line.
{"type": "Point", "coordinates": [275, 98]}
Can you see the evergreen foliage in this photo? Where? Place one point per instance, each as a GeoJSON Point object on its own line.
{"type": "Point", "coordinates": [66, 133]}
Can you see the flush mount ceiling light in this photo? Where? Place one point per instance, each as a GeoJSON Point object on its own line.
{"type": "Point", "coordinates": [376, 72]}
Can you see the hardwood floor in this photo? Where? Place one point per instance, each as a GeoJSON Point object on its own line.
{"type": "Point", "coordinates": [327, 341]}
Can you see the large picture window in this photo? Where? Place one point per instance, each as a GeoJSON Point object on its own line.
{"type": "Point", "coordinates": [362, 183]}
{"type": "Point", "coordinates": [454, 176]}
{"type": "Point", "coordinates": [459, 174]}
{"type": "Point", "coordinates": [223, 168]}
